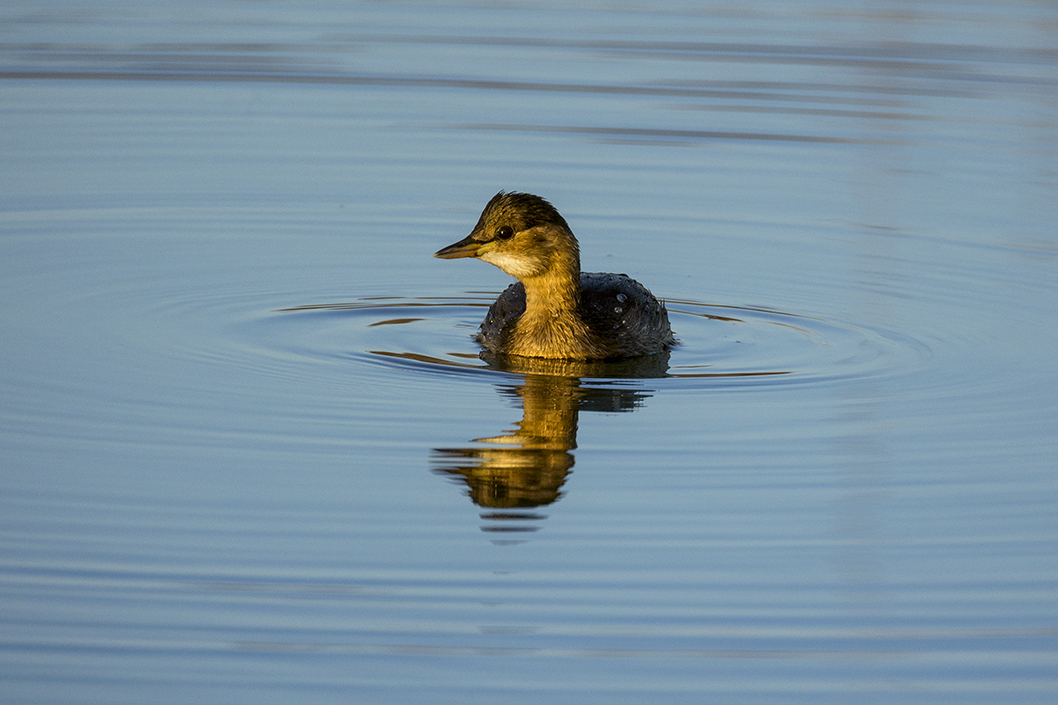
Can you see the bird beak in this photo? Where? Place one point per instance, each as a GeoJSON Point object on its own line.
{"type": "Point", "coordinates": [467, 247]}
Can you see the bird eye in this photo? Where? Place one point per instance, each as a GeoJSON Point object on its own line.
{"type": "Point", "coordinates": [505, 232]}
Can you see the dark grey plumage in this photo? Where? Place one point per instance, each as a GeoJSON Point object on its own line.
{"type": "Point", "coordinates": [616, 308]}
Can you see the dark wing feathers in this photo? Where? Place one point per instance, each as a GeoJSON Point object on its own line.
{"type": "Point", "coordinates": [624, 313]}
{"type": "Point", "coordinates": [502, 314]}
{"type": "Point", "coordinates": [617, 308]}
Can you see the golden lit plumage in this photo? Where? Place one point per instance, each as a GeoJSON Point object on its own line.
{"type": "Point", "coordinates": [554, 310]}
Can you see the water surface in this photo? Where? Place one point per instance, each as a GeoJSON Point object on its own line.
{"type": "Point", "coordinates": [250, 451]}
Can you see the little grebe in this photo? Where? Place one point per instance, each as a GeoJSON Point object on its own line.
{"type": "Point", "coordinates": [554, 310]}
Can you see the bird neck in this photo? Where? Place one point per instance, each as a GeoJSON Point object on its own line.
{"type": "Point", "coordinates": [556, 291]}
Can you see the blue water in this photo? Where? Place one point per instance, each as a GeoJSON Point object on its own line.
{"type": "Point", "coordinates": [249, 453]}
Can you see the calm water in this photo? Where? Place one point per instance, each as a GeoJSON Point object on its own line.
{"type": "Point", "coordinates": [250, 454]}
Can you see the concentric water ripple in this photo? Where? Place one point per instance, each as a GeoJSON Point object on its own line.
{"type": "Point", "coordinates": [719, 344]}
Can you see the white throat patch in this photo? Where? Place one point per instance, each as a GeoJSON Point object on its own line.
{"type": "Point", "coordinates": [517, 267]}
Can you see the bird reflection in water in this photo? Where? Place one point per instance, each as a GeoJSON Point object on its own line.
{"type": "Point", "coordinates": [524, 469]}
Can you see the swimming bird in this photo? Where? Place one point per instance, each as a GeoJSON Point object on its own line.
{"type": "Point", "coordinates": [554, 310]}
